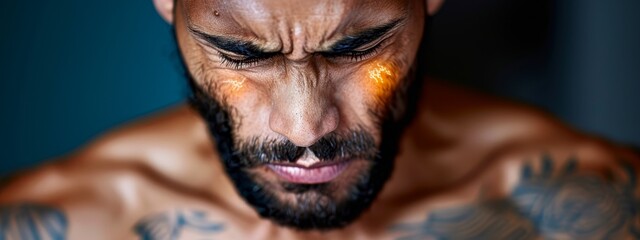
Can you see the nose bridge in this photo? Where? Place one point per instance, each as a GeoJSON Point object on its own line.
{"type": "Point", "coordinates": [303, 73]}
{"type": "Point", "coordinates": [303, 110]}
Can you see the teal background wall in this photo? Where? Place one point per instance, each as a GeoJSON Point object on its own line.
{"type": "Point", "coordinates": [73, 69]}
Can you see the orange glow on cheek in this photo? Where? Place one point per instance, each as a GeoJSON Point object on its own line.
{"type": "Point", "coordinates": [381, 77]}
{"type": "Point", "coordinates": [379, 73]}
{"type": "Point", "coordinates": [234, 85]}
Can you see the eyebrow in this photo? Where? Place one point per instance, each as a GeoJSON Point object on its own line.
{"type": "Point", "coordinates": [352, 42]}
{"type": "Point", "coordinates": [251, 50]}
{"type": "Point", "coordinates": [237, 46]}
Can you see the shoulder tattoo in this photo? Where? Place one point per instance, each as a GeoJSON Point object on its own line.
{"type": "Point", "coordinates": [548, 202]}
{"type": "Point", "coordinates": [490, 220]}
{"type": "Point", "coordinates": [171, 225]}
{"type": "Point", "coordinates": [32, 222]}
{"type": "Point", "coordinates": [566, 204]}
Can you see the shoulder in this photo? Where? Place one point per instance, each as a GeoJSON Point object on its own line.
{"type": "Point", "coordinates": [532, 174]}
{"type": "Point", "coordinates": [132, 148]}
{"type": "Point", "coordinates": [580, 197]}
{"type": "Point", "coordinates": [568, 184]}
{"type": "Point", "coordinates": [505, 130]}
{"type": "Point", "coordinates": [177, 131]}
{"type": "Point", "coordinates": [478, 116]}
{"type": "Point", "coordinates": [497, 136]}
{"type": "Point", "coordinates": [48, 202]}
{"type": "Point", "coordinates": [112, 181]}
{"type": "Point", "coordinates": [516, 143]}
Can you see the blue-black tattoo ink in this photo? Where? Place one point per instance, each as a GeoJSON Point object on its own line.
{"type": "Point", "coordinates": [32, 222]}
{"type": "Point", "coordinates": [168, 226]}
{"type": "Point", "coordinates": [489, 220]}
{"type": "Point", "coordinates": [548, 203]}
{"type": "Point", "coordinates": [578, 206]}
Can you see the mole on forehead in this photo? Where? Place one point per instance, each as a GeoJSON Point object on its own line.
{"type": "Point", "coordinates": [285, 10]}
{"type": "Point", "coordinates": [260, 9]}
{"type": "Point", "coordinates": [263, 21]}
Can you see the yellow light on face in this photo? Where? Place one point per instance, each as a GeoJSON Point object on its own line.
{"type": "Point", "coordinates": [379, 73]}
{"type": "Point", "coordinates": [234, 84]}
{"type": "Point", "coordinates": [379, 82]}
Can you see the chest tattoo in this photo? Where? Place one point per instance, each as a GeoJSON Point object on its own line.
{"type": "Point", "coordinates": [548, 203]}
{"type": "Point", "coordinates": [32, 222]}
{"type": "Point", "coordinates": [177, 225]}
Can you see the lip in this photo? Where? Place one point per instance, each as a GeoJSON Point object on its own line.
{"type": "Point", "coordinates": [319, 173]}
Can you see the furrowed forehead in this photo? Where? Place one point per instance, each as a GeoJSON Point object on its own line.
{"type": "Point", "coordinates": [272, 19]}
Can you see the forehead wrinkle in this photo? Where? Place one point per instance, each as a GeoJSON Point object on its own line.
{"type": "Point", "coordinates": [229, 22]}
{"type": "Point", "coordinates": [306, 36]}
{"type": "Point", "coordinates": [292, 25]}
{"type": "Point", "coordinates": [273, 27]}
{"type": "Point", "coordinates": [322, 21]}
{"type": "Point", "coordinates": [319, 36]}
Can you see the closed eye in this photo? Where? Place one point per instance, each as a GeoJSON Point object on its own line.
{"type": "Point", "coordinates": [234, 52]}
{"type": "Point", "coordinates": [238, 63]}
{"type": "Point", "coordinates": [355, 55]}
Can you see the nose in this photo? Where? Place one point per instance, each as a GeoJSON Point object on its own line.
{"type": "Point", "coordinates": [303, 109]}
{"type": "Point", "coordinates": [304, 122]}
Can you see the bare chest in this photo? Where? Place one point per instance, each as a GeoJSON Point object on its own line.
{"type": "Point", "coordinates": [548, 202]}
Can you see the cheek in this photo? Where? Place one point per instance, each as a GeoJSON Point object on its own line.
{"type": "Point", "coordinates": [233, 87]}
{"type": "Point", "coordinates": [248, 98]}
{"type": "Point", "coordinates": [251, 107]}
{"type": "Point", "coordinates": [372, 84]}
{"type": "Point", "coordinates": [380, 79]}
{"type": "Point", "coordinates": [367, 88]}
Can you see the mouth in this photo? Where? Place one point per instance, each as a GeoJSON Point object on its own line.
{"type": "Point", "coordinates": [315, 174]}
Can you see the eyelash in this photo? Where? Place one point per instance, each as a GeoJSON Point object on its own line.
{"type": "Point", "coordinates": [237, 64]}
{"type": "Point", "coordinates": [250, 62]}
{"type": "Point", "coordinates": [357, 56]}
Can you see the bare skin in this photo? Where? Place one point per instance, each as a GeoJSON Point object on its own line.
{"type": "Point", "coordinates": [470, 165]}
{"type": "Point", "coordinates": [456, 154]}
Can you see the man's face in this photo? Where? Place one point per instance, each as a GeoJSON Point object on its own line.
{"type": "Point", "coordinates": [295, 94]}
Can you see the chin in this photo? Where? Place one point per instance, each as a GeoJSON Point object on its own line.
{"type": "Point", "coordinates": [332, 204]}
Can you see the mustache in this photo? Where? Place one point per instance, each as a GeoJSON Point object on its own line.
{"type": "Point", "coordinates": [353, 144]}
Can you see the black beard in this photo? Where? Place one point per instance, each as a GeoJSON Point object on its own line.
{"type": "Point", "coordinates": [315, 206]}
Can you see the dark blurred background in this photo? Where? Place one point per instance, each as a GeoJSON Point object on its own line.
{"type": "Point", "coordinates": [73, 69]}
